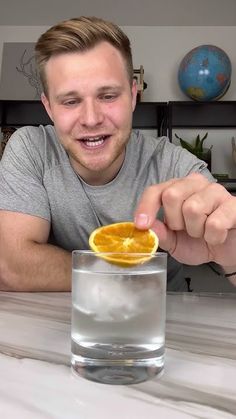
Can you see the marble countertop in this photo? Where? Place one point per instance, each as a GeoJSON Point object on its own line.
{"type": "Point", "coordinates": [36, 381]}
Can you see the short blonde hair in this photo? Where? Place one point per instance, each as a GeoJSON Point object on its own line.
{"type": "Point", "coordinates": [80, 34]}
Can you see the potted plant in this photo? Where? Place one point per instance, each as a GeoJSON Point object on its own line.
{"type": "Point", "coordinates": [196, 148]}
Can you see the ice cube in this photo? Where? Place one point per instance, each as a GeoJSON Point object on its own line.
{"type": "Point", "coordinates": [109, 299]}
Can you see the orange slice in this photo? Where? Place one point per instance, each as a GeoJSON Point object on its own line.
{"type": "Point", "coordinates": [130, 245]}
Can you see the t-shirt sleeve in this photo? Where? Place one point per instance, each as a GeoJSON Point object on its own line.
{"type": "Point", "coordinates": [22, 175]}
{"type": "Point", "coordinates": [178, 162]}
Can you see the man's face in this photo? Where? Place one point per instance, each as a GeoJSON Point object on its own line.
{"type": "Point", "coordinates": [91, 102]}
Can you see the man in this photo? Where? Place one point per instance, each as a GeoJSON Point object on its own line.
{"type": "Point", "coordinates": [57, 184]}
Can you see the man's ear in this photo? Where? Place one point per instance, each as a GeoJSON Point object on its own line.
{"type": "Point", "coordinates": [134, 91]}
{"type": "Point", "coordinates": [46, 104]}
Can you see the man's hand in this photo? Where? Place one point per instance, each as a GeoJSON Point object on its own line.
{"type": "Point", "coordinates": [200, 219]}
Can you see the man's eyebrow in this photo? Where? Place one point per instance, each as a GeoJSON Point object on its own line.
{"type": "Point", "coordinates": [72, 93]}
{"type": "Point", "coordinates": [109, 88]}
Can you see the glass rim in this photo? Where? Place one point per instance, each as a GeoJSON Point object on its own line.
{"type": "Point", "coordinates": [132, 254]}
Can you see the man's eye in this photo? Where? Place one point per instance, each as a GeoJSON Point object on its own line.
{"type": "Point", "coordinates": [109, 97]}
{"type": "Point", "coordinates": [70, 102]}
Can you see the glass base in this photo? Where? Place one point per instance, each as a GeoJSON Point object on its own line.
{"type": "Point", "coordinates": [119, 372]}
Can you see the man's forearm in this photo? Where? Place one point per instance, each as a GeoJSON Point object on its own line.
{"type": "Point", "coordinates": [39, 267]}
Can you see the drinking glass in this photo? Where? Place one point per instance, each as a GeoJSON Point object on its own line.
{"type": "Point", "coordinates": [118, 317]}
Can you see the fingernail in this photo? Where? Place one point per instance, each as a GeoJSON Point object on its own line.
{"type": "Point", "coordinates": [141, 220]}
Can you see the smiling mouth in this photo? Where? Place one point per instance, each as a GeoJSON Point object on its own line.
{"type": "Point", "coordinates": [94, 141]}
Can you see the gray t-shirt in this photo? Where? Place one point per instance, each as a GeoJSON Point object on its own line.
{"type": "Point", "coordinates": [36, 178]}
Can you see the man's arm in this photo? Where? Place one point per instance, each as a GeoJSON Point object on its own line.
{"type": "Point", "coordinates": [27, 261]}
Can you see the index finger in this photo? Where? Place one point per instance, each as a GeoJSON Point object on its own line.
{"type": "Point", "coordinates": [149, 204]}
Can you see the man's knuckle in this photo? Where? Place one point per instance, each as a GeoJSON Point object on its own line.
{"type": "Point", "coordinates": [170, 195]}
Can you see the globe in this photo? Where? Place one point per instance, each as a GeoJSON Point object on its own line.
{"type": "Point", "coordinates": [205, 73]}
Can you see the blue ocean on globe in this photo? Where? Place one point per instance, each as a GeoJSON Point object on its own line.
{"type": "Point", "coordinates": [205, 73]}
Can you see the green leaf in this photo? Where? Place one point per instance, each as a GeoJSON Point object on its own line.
{"type": "Point", "coordinates": [202, 140]}
{"type": "Point", "coordinates": [187, 146]}
{"type": "Point", "coordinates": [197, 143]}
{"type": "Point", "coordinates": [205, 136]}
{"type": "Point", "coordinates": [197, 147]}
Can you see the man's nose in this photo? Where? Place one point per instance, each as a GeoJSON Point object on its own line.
{"type": "Point", "coordinates": [91, 114]}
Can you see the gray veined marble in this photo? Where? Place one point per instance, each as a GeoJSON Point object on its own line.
{"type": "Point", "coordinates": [36, 380]}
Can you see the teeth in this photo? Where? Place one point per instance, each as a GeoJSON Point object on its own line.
{"type": "Point", "coordinates": [93, 142]}
{"type": "Point", "coordinates": [93, 138]}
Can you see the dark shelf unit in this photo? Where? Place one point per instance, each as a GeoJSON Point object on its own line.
{"type": "Point", "coordinates": [161, 116]}
{"type": "Point", "coordinates": [209, 115]}
{"type": "Point", "coordinates": [151, 115]}
{"type": "Point", "coordinates": [17, 113]}
{"type": "Point", "coordinates": [188, 114]}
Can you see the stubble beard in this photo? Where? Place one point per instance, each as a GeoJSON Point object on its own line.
{"type": "Point", "coordinates": [96, 170]}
